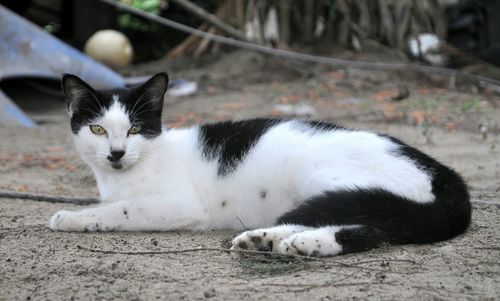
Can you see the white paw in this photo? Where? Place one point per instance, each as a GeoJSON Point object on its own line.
{"type": "Point", "coordinates": [257, 240]}
{"type": "Point", "coordinates": [264, 239]}
{"type": "Point", "coordinates": [317, 243]}
{"type": "Point", "coordinates": [70, 221]}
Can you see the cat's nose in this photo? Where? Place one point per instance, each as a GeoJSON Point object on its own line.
{"type": "Point", "coordinates": [116, 155]}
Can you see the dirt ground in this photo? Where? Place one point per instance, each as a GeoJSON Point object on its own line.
{"type": "Point", "coordinates": [457, 125]}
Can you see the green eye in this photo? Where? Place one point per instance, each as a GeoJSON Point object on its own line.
{"type": "Point", "coordinates": [97, 129]}
{"type": "Point", "coordinates": [135, 129]}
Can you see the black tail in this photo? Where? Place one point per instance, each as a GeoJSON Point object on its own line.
{"type": "Point", "coordinates": [389, 218]}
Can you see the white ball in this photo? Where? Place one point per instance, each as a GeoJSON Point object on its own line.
{"type": "Point", "coordinates": [110, 47]}
{"type": "Point", "coordinates": [424, 45]}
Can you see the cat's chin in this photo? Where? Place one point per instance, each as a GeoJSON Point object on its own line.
{"type": "Point", "coordinates": [120, 167]}
{"type": "Point", "coordinates": [116, 167]}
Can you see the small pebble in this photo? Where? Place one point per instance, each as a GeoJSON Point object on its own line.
{"type": "Point", "coordinates": [210, 293]}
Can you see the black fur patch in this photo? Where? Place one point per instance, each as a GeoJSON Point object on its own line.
{"type": "Point", "coordinates": [360, 239]}
{"type": "Point", "coordinates": [143, 103]}
{"type": "Point", "coordinates": [229, 141]}
{"type": "Point", "coordinates": [389, 218]}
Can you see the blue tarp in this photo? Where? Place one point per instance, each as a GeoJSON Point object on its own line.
{"type": "Point", "coordinates": [26, 51]}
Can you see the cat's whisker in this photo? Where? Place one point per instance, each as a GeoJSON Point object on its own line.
{"type": "Point", "coordinates": [142, 104]}
{"type": "Point", "coordinates": [89, 110]}
{"type": "Point", "coordinates": [141, 109]}
{"type": "Point", "coordinates": [98, 108]}
{"type": "Point", "coordinates": [82, 171]}
{"type": "Point", "coordinates": [142, 112]}
{"type": "Point", "coordinates": [139, 100]}
{"type": "Point", "coordinates": [76, 169]}
{"type": "Point", "coordinates": [97, 100]}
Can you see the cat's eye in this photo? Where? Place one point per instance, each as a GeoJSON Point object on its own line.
{"type": "Point", "coordinates": [134, 129]}
{"type": "Point", "coordinates": [97, 129]}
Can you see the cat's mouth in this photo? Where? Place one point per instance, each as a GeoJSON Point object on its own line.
{"type": "Point", "coordinates": [117, 165]}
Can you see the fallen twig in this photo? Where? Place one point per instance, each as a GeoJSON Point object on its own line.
{"type": "Point", "coordinates": [488, 248]}
{"type": "Point", "coordinates": [307, 287]}
{"type": "Point", "coordinates": [242, 224]}
{"type": "Point", "coordinates": [201, 249]}
{"type": "Point", "coordinates": [385, 260]}
{"type": "Point", "coordinates": [494, 203]}
{"type": "Point", "coordinates": [249, 252]}
{"type": "Point", "coordinates": [210, 19]}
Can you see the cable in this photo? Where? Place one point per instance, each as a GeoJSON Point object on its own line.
{"type": "Point", "coordinates": [46, 198]}
{"type": "Point", "coordinates": [295, 55]}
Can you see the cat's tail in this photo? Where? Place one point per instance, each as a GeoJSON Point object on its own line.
{"type": "Point", "coordinates": [386, 218]}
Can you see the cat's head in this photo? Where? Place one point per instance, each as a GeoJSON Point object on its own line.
{"type": "Point", "coordinates": [115, 129]}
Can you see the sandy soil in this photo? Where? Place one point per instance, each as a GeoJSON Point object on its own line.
{"type": "Point", "coordinates": [39, 264]}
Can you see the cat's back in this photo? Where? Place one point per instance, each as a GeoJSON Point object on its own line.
{"type": "Point", "coordinates": [231, 142]}
{"type": "Point", "coordinates": [309, 155]}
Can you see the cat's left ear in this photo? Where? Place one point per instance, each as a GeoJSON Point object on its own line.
{"type": "Point", "coordinates": [77, 92]}
{"type": "Point", "coordinates": [154, 90]}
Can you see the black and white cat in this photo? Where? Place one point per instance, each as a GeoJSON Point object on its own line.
{"type": "Point", "coordinates": [308, 187]}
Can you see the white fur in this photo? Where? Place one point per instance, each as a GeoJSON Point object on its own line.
{"type": "Point", "coordinates": [292, 239]}
{"type": "Point", "coordinates": [166, 183]}
{"type": "Point", "coordinates": [315, 242]}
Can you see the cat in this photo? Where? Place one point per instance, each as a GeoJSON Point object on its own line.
{"type": "Point", "coordinates": [306, 187]}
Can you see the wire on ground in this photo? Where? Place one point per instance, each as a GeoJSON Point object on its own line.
{"type": "Point", "coordinates": [47, 198]}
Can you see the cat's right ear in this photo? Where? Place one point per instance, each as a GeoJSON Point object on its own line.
{"type": "Point", "coordinates": [76, 92]}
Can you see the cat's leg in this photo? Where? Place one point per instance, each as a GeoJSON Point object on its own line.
{"type": "Point", "coordinates": [266, 239]}
{"type": "Point", "coordinates": [332, 240]}
{"type": "Point", "coordinates": [132, 215]}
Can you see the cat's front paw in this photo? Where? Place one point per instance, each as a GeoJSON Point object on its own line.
{"type": "Point", "coordinates": [256, 240]}
{"type": "Point", "coordinates": [68, 221]}
{"type": "Point", "coordinates": [264, 239]}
